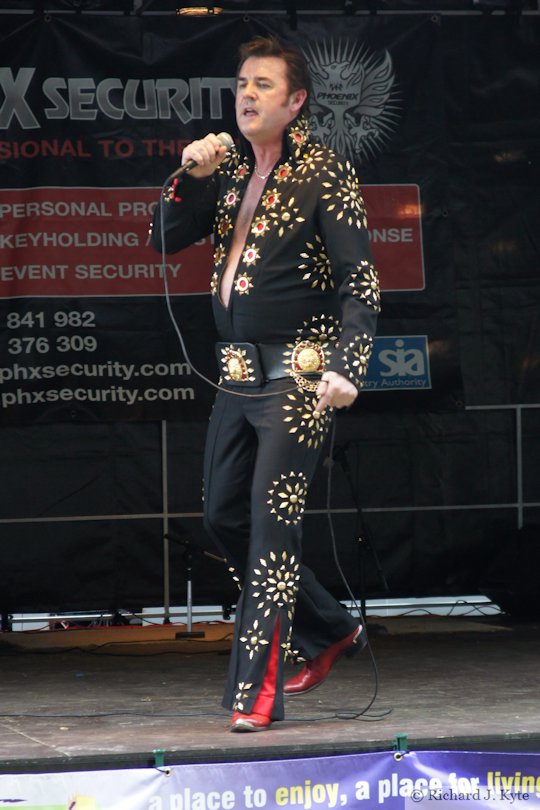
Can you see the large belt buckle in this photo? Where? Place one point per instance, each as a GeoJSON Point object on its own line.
{"type": "Point", "coordinates": [239, 363]}
{"type": "Point", "coordinates": [307, 358]}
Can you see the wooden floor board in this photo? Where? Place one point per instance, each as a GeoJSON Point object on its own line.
{"type": "Point", "coordinates": [113, 704]}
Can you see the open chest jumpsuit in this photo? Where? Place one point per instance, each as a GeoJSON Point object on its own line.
{"type": "Point", "coordinates": [306, 289]}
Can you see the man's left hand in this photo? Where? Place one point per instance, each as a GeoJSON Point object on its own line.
{"type": "Point", "coordinates": [335, 390]}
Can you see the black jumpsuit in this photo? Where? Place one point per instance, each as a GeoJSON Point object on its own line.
{"type": "Point", "coordinates": [306, 291]}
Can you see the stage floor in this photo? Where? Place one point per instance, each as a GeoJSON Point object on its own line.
{"type": "Point", "coordinates": [112, 697]}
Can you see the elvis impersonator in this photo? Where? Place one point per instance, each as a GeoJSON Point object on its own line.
{"type": "Point", "coordinates": [295, 300]}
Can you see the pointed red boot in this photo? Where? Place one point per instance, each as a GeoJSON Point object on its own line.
{"type": "Point", "coordinates": [260, 716]}
{"type": "Point", "coordinates": [316, 671]}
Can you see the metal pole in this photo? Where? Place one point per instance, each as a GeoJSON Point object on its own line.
{"type": "Point", "coordinates": [189, 597]}
{"type": "Point", "coordinates": [519, 465]}
{"type": "Point", "coordinates": [165, 505]}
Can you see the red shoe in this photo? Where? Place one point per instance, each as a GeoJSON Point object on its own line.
{"type": "Point", "coordinates": [249, 722]}
{"type": "Point", "coordinates": [316, 671]}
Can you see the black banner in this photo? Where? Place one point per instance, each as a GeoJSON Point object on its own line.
{"type": "Point", "coordinates": [92, 120]}
{"type": "Point", "coordinates": [441, 115]}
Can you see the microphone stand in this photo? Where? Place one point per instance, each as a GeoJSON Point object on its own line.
{"type": "Point", "coordinates": [364, 536]}
{"type": "Point", "coordinates": [190, 552]}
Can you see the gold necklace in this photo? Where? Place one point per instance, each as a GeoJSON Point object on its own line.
{"type": "Point", "coordinates": [261, 176]}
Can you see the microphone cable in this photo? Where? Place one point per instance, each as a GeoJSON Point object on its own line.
{"type": "Point", "coordinates": [363, 714]}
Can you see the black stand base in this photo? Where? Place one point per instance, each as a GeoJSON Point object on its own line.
{"type": "Point", "coordinates": [189, 634]}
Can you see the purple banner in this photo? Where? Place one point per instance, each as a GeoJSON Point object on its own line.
{"type": "Point", "coordinates": [428, 779]}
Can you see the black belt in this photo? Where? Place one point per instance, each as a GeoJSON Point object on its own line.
{"type": "Point", "coordinates": [252, 364]}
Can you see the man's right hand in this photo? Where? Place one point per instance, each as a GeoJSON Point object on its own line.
{"type": "Point", "coordinates": [207, 153]}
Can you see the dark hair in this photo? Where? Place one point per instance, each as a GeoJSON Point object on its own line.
{"type": "Point", "coordinates": [298, 77]}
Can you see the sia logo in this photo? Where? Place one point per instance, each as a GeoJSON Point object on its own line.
{"type": "Point", "coordinates": [354, 107]}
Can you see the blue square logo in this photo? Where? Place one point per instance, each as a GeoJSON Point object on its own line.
{"type": "Point", "coordinates": [399, 363]}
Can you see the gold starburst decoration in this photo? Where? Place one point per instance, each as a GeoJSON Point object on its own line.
{"type": "Point", "coordinates": [356, 356]}
{"type": "Point", "coordinates": [231, 198]}
{"type": "Point", "coordinates": [271, 199]}
{"type": "Point", "coordinates": [291, 654]}
{"type": "Point", "coordinates": [260, 226]}
{"type": "Point", "coordinates": [317, 265]}
{"type": "Point", "coordinates": [278, 583]}
{"type": "Point", "coordinates": [365, 285]}
{"type": "Point", "coordinates": [297, 136]}
{"type": "Point", "coordinates": [282, 173]}
{"type": "Point", "coordinates": [308, 424]}
{"type": "Point", "coordinates": [241, 695]}
{"type": "Point", "coordinates": [311, 164]}
{"type": "Point", "coordinates": [287, 217]}
{"type": "Point", "coordinates": [288, 497]}
{"type": "Point", "coordinates": [242, 171]}
{"type": "Point", "coordinates": [224, 225]}
{"type": "Point", "coordinates": [236, 578]}
{"type": "Point", "coordinates": [243, 284]}
{"type": "Point", "coordinates": [250, 255]}
{"type": "Point", "coordinates": [254, 639]}
{"type": "Point", "coordinates": [346, 197]}
{"type": "Point", "coordinates": [219, 254]}
{"type": "Point", "coordinates": [323, 328]}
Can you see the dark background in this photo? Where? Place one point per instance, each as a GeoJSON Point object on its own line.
{"type": "Point", "coordinates": [438, 476]}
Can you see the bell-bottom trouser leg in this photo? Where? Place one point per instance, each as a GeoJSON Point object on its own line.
{"type": "Point", "coordinates": [256, 476]}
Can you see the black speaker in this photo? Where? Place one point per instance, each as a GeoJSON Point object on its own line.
{"type": "Point", "coordinates": [511, 581]}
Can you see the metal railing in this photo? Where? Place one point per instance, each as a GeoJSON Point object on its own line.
{"type": "Point", "coordinates": [165, 516]}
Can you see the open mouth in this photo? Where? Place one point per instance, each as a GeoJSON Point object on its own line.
{"type": "Point", "coordinates": [249, 112]}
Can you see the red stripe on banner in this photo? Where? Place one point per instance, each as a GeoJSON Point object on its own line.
{"type": "Point", "coordinates": [395, 228]}
{"type": "Point", "coordinates": [94, 242]}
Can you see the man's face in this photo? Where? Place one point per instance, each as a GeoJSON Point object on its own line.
{"type": "Point", "coordinates": [264, 105]}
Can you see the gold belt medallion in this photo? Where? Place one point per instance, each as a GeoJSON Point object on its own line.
{"type": "Point", "coordinates": [235, 366]}
{"type": "Point", "coordinates": [307, 358]}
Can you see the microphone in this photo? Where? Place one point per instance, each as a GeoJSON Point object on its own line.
{"type": "Point", "coordinates": [225, 140]}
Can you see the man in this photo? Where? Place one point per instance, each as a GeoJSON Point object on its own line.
{"type": "Point", "coordinates": [295, 299]}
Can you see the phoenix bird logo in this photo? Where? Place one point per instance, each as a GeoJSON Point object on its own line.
{"type": "Point", "coordinates": [354, 108]}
